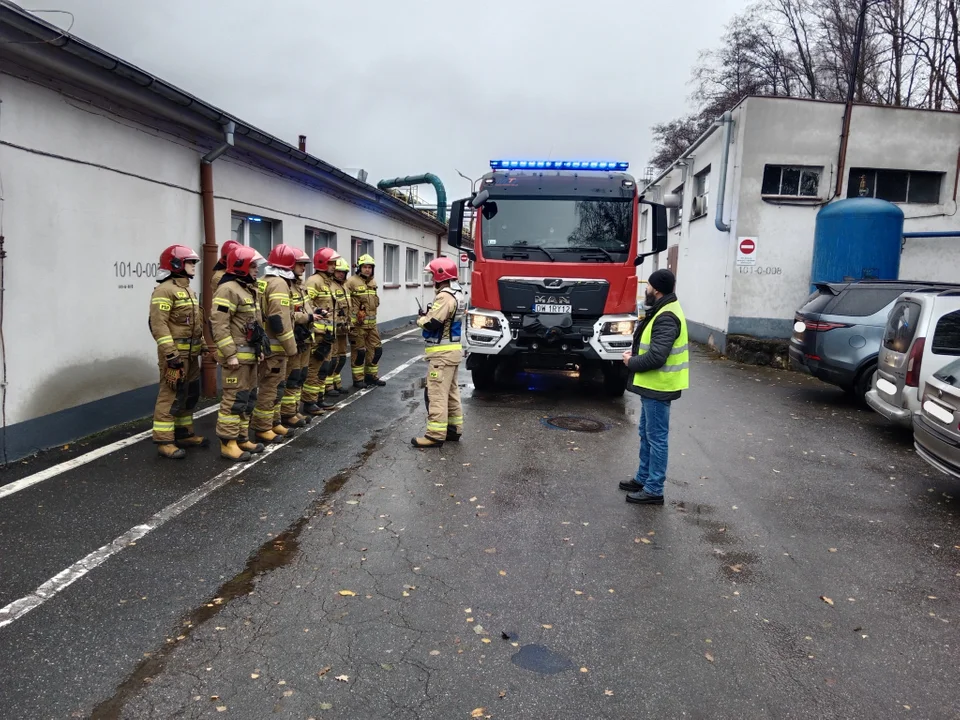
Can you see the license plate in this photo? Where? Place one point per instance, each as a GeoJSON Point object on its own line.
{"type": "Point", "coordinates": [938, 411]}
{"type": "Point", "coordinates": [886, 387]}
{"type": "Point", "coordinates": [552, 309]}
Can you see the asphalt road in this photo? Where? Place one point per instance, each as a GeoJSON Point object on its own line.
{"type": "Point", "coordinates": [350, 576]}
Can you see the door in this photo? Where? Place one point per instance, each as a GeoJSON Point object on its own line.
{"type": "Point", "coordinates": [894, 360]}
{"type": "Point", "coordinates": [672, 255]}
{"type": "Point", "coordinates": [943, 332]}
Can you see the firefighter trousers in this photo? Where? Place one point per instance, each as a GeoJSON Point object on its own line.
{"type": "Point", "coordinates": [442, 397]}
{"type": "Point", "coordinates": [318, 370]}
{"type": "Point", "coordinates": [272, 382]}
{"type": "Point", "coordinates": [293, 388]}
{"type": "Point", "coordinates": [237, 402]}
{"type": "Point", "coordinates": [338, 361]}
{"type": "Point", "coordinates": [366, 350]}
{"type": "Point", "coordinates": [173, 412]}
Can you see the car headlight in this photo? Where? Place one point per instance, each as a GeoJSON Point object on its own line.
{"type": "Point", "coordinates": [482, 322]}
{"type": "Point", "coordinates": [622, 327]}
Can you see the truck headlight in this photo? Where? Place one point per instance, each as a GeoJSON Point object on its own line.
{"type": "Point", "coordinates": [622, 327]}
{"type": "Point", "coordinates": [482, 322]}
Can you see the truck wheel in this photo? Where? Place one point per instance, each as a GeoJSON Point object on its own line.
{"type": "Point", "coordinates": [614, 380]}
{"type": "Point", "coordinates": [483, 376]}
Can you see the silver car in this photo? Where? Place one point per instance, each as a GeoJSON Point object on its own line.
{"type": "Point", "coordinates": [936, 428]}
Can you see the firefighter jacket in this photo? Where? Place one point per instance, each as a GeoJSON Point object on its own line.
{"type": "Point", "coordinates": [176, 319]}
{"type": "Point", "coordinates": [442, 326]}
{"type": "Point", "coordinates": [364, 301]}
{"type": "Point", "coordinates": [341, 306]}
{"type": "Point", "coordinates": [219, 270]}
{"type": "Point", "coordinates": [302, 314]}
{"type": "Point", "coordinates": [276, 304]}
{"type": "Point", "coordinates": [236, 321]}
{"type": "Point", "coordinates": [320, 293]}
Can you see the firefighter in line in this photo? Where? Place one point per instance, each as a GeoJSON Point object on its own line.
{"type": "Point", "coordinates": [221, 267]}
{"type": "Point", "coordinates": [277, 306]}
{"type": "Point", "coordinates": [319, 291]}
{"type": "Point", "coordinates": [236, 326]}
{"type": "Point", "coordinates": [365, 344]}
{"type": "Point", "coordinates": [441, 324]}
{"type": "Point", "coordinates": [297, 365]}
{"type": "Point", "coordinates": [176, 323]}
{"type": "Point", "coordinates": [341, 318]}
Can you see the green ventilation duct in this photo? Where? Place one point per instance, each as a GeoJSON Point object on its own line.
{"type": "Point", "coordinates": [421, 180]}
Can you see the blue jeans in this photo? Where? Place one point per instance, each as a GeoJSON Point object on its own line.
{"type": "Point", "coordinates": [654, 435]}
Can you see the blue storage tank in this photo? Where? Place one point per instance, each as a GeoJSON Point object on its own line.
{"type": "Point", "coordinates": [857, 239]}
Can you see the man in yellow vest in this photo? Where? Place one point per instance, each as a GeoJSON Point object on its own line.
{"type": "Point", "coordinates": [659, 370]}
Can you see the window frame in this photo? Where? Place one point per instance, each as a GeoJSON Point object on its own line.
{"type": "Point", "coordinates": [853, 187]}
{"type": "Point", "coordinates": [414, 279]}
{"type": "Point", "coordinates": [701, 189]}
{"type": "Point", "coordinates": [780, 195]}
{"type": "Point", "coordinates": [675, 214]}
{"type": "Point", "coordinates": [246, 220]}
{"type": "Point", "coordinates": [389, 248]}
{"type": "Point", "coordinates": [428, 257]}
{"type": "Point", "coordinates": [361, 246]}
{"type": "Point", "coordinates": [941, 350]}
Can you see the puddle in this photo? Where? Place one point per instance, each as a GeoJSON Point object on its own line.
{"type": "Point", "coordinates": [276, 553]}
{"type": "Point", "coordinates": [416, 388]}
{"type": "Point", "coordinates": [541, 659]}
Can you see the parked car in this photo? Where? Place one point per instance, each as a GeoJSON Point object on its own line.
{"type": "Point", "coordinates": [936, 433]}
{"type": "Point", "coordinates": [838, 330]}
{"type": "Point", "coordinates": [922, 335]}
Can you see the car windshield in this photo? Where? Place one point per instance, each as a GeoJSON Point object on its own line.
{"type": "Point", "coordinates": [590, 226]}
{"type": "Point", "coordinates": [949, 374]}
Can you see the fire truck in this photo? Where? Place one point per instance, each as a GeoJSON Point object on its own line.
{"type": "Point", "coordinates": [554, 283]}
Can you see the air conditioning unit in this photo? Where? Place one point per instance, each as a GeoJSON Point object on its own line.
{"type": "Point", "coordinates": [699, 206]}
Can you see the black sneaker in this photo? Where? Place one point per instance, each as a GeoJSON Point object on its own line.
{"type": "Point", "coordinates": [631, 485]}
{"type": "Point", "coordinates": [644, 498]}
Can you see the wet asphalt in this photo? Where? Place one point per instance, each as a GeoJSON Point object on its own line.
{"type": "Point", "coordinates": [350, 576]}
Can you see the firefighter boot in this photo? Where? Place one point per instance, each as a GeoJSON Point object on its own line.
{"type": "Point", "coordinates": [282, 431]}
{"type": "Point", "coordinates": [267, 436]}
{"type": "Point", "coordinates": [425, 442]}
{"type": "Point", "coordinates": [452, 434]}
{"type": "Point", "coordinates": [313, 410]}
{"type": "Point", "coordinates": [304, 415]}
{"type": "Point", "coordinates": [250, 447]}
{"type": "Point", "coordinates": [359, 385]}
{"type": "Point", "coordinates": [327, 402]}
{"type": "Point", "coordinates": [374, 381]}
{"type": "Point", "coordinates": [171, 451]}
{"type": "Point", "coordinates": [189, 440]}
{"type": "Point", "coordinates": [293, 422]}
{"type": "Point", "coordinates": [231, 451]}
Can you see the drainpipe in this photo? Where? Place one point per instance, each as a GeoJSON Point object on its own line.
{"type": "Point", "coordinates": [727, 122]}
{"type": "Point", "coordinates": [420, 180]}
{"type": "Point", "coordinates": [209, 254]}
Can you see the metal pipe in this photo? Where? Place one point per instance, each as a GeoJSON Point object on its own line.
{"type": "Point", "coordinates": [228, 129]}
{"type": "Point", "coordinates": [931, 234]}
{"type": "Point", "coordinates": [727, 121]}
{"type": "Point", "coordinates": [420, 180]}
{"type": "Point", "coordinates": [209, 255]}
{"type": "Point", "coordinates": [851, 92]}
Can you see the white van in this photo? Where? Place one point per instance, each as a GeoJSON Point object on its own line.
{"type": "Point", "coordinates": [922, 335]}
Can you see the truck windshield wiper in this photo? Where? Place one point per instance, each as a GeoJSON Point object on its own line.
{"type": "Point", "coordinates": [532, 247]}
{"type": "Point", "coordinates": [586, 250]}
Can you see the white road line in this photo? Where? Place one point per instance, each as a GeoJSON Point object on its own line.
{"type": "Point", "coordinates": [62, 580]}
{"type": "Point", "coordinates": [67, 465]}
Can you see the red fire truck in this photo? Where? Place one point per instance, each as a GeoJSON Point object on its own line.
{"type": "Point", "coordinates": [554, 283]}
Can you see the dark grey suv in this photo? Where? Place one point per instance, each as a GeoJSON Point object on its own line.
{"type": "Point", "coordinates": [838, 330]}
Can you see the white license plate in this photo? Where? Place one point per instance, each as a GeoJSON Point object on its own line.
{"type": "Point", "coordinates": [938, 411]}
{"type": "Point", "coordinates": [886, 387]}
{"type": "Point", "coordinates": [552, 309]}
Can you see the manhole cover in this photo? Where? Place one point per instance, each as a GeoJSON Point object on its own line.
{"type": "Point", "coordinates": [578, 424]}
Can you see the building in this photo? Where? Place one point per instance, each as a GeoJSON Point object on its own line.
{"type": "Point", "coordinates": [102, 165]}
{"type": "Point", "coordinates": [782, 168]}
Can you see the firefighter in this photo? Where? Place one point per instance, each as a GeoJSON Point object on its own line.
{"type": "Point", "coordinates": [221, 267]}
{"type": "Point", "coordinates": [236, 326]}
{"type": "Point", "coordinates": [297, 365]}
{"type": "Point", "coordinates": [365, 344]}
{"type": "Point", "coordinates": [320, 367]}
{"type": "Point", "coordinates": [441, 324]}
{"type": "Point", "coordinates": [176, 323]}
{"type": "Point", "coordinates": [341, 319]}
{"type": "Point", "coordinates": [277, 307]}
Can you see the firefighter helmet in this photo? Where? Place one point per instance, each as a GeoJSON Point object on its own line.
{"type": "Point", "coordinates": [225, 250]}
{"type": "Point", "coordinates": [323, 257]}
{"type": "Point", "coordinates": [341, 266]}
{"type": "Point", "coordinates": [302, 256]}
{"type": "Point", "coordinates": [364, 259]}
{"type": "Point", "coordinates": [284, 257]}
{"type": "Point", "coordinates": [442, 269]}
{"type": "Point", "coordinates": [175, 258]}
{"type": "Point", "coordinates": [242, 260]}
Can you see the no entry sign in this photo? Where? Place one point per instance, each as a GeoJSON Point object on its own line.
{"type": "Point", "coordinates": [747, 251]}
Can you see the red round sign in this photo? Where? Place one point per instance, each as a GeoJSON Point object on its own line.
{"type": "Point", "coordinates": [747, 246]}
{"type": "Point", "coordinates": [464, 258]}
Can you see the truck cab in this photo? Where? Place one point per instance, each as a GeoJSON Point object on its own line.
{"type": "Point", "coordinates": [554, 284]}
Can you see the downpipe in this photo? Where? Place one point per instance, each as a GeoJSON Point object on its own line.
{"type": "Point", "coordinates": [727, 121]}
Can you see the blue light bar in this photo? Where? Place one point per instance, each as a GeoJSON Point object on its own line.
{"type": "Point", "coordinates": [598, 166]}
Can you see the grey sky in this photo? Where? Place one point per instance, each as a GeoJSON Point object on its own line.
{"type": "Point", "coordinates": [402, 88]}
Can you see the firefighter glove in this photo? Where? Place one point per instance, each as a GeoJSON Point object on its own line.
{"type": "Point", "coordinates": [174, 362]}
{"type": "Point", "coordinates": [173, 377]}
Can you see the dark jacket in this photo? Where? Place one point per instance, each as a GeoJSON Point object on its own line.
{"type": "Point", "coordinates": [666, 330]}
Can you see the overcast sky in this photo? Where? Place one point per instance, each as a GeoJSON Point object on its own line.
{"type": "Point", "coordinates": [407, 87]}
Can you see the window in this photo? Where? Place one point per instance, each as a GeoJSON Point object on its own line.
{"type": "Point", "coordinates": [257, 232]}
{"type": "Point", "coordinates": [861, 302]}
{"type": "Point", "coordinates": [901, 326]}
{"type": "Point", "coordinates": [675, 214]}
{"type": "Point", "coordinates": [391, 264]}
{"type": "Point", "coordinates": [427, 259]}
{"type": "Point", "coordinates": [701, 189]}
{"type": "Point", "coordinates": [361, 247]}
{"type": "Point", "coordinates": [791, 181]}
{"type": "Point", "coordinates": [946, 338]}
{"type": "Point", "coordinates": [896, 186]}
{"type": "Point", "coordinates": [414, 274]}
{"type": "Point", "coordinates": [236, 228]}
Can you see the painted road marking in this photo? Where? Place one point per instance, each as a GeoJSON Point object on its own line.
{"type": "Point", "coordinates": [66, 466]}
{"type": "Point", "coordinates": [65, 578]}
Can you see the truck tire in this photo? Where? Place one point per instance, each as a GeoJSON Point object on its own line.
{"type": "Point", "coordinates": [484, 375]}
{"type": "Point", "coordinates": [614, 380]}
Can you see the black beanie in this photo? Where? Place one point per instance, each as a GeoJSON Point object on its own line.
{"type": "Point", "coordinates": [663, 281]}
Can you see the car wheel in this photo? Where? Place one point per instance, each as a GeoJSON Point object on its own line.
{"type": "Point", "coordinates": [864, 383]}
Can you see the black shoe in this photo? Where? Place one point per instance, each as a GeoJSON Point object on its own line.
{"type": "Point", "coordinates": [312, 410]}
{"type": "Point", "coordinates": [327, 403]}
{"type": "Point", "coordinates": [375, 381]}
{"type": "Point", "coordinates": [359, 385]}
{"type": "Point", "coordinates": [631, 485]}
{"type": "Point", "coordinates": [453, 435]}
{"type": "Point", "coordinates": [644, 498]}
{"type": "Point", "coordinates": [334, 392]}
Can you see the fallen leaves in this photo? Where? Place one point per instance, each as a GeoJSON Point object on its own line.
{"type": "Point", "coordinates": [221, 708]}
{"type": "Point", "coordinates": [347, 593]}
{"type": "Point", "coordinates": [503, 572]}
{"type": "Point", "coordinates": [490, 551]}
{"type": "Point", "coordinates": [325, 706]}
{"type": "Point", "coordinates": [827, 600]}
{"type": "Point", "coordinates": [833, 550]}
{"type": "Point", "coordinates": [254, 676]}
{"type": "Point", "coordinates": [608, 693]}
{"type": "Point", "coordinates": [343, 678]}
{"type": "Point", "coordinates": [708, 656]}
{"type": "Point", "coordinates": [324, 671]}
{"type": "Point", "coordinates": [478, 712]}
{"type": "Point", "coordinates": [478, 629]}
{"type": "Point", "coordinates": [547, 627]}
{"type": "Point", "coordinates": [584, 670]}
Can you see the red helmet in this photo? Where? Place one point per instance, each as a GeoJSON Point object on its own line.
{"type": "Point", "coordinates": [226, 248]}
{"type": "Point", "coordinates": [284, 257]}
{"type": "Point", "coordinates": [242, 259]}
{"type": "Point", "coordinates": [302, 256]}
{"type": "Point", "coordinates": [323, 258]}
{"type": "Point", "coordinates": [443, 269]}
{"type": "Point", "coordinates": [175, 257]}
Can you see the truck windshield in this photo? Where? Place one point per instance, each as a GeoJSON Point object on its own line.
{"type": "Point", "coordinates": [592, 227]}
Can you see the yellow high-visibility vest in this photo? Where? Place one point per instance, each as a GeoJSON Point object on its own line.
{"type": "Point", "coordinates": [675, 373]}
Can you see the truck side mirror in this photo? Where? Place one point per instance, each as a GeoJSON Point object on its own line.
{"type": "Point", "coordinates": [455, 228]}
{"type": "Point", "coordinates": [659, 236]}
